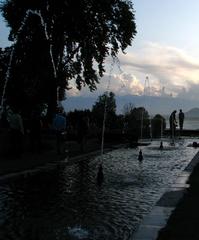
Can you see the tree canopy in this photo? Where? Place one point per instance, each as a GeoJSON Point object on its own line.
{"type": "Point", "coordinates": [73, 35]}
{"type": "Point", "coordinates": [106, 100]}
{"type": "Point", "coordinates": [136, 120]}
{"type": "Point", "coordinates": [158, 125]}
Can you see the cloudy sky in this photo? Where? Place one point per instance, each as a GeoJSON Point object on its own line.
{"type": "Point", "coordinates": [165, 49]}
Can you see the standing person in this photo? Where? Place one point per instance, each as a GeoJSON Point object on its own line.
{"type": "Point", "coordinates": [16, 132]}
{"type": "Point", "coordinates": [181, 120]}
{"type": "Point", "coordinates": [173, 123]}
{"type": "Point", "coordinates": [59, 125]}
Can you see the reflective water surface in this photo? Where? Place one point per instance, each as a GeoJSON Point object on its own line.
{"type": "Point", "coordinates": [67, 204]}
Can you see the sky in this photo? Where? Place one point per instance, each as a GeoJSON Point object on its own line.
{"type": "Point", "coordinates": [164, 56]}
{"type": "Point", "coordinates": [4, 31]}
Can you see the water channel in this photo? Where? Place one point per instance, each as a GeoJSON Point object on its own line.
{"type": "Point", "coordinates": [66, 203]}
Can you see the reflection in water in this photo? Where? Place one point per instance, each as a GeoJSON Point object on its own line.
{"type": "Point", "coordinates": [67, 204]}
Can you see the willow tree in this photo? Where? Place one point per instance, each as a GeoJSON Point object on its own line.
{"type": "Point", "coordinates": [77, 35]}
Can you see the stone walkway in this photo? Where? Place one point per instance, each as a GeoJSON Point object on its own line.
{"type": "Point", "coordinates": [166, 209]}
{"type": "Point", "coordinates": [183, 224]}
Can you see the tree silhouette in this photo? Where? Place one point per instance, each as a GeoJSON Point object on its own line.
{"type": "Point", "coordinates": [137, 119]}
{"type": "Point", "coordinates": [81, 34]}
{"type": "Point", "coordinates": [158, 125]}
{"type": "Point", "coordinates": [106, 100]}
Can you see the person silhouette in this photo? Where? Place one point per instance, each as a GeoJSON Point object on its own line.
{"type": "Point", "coordinates": [173, 124]}
{"type": "Point", "coordinates": [181, 120]}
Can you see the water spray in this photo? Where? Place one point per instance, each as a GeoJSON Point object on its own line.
{"type": "Point", "coordinates": [28, 12]}
{"type": "Point", "coordinates": [161, 134]}
{"type": "Point", "coordinates": [100, 174]}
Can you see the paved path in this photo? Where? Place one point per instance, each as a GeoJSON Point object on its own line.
{"type": "Point", "coordinates": [183, 224]}
{"type": "Point", "coordinates": [176, 215]}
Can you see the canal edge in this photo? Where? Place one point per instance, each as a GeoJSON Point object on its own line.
{"type": "Point", "coordinates": [55, 163]}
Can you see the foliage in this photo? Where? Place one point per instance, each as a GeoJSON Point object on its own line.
{"type": "Point", "coordinates": [82, 33]}
{"type": "Point", "coordinates": [137, 119]}
{"type": "Point", "coordinates": [128, 108]}
{"type": "Point", "coordinates": [74, 116]}
{"type": "Point", "coordinates": [158, 125]}
{"type": "Point", "coordinates": [107, 100]}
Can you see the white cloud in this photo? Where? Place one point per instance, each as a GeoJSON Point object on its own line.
{"type": "Point", "coordinates": [121, 84]}
{"type": "Point", "coordinates": [167, 67]}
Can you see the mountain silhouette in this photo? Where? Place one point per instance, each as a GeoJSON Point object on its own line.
{"type": "Point", "coordinates": [153, 104]}
{"type": "Point", "coordinates": [192, 113]}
